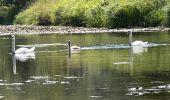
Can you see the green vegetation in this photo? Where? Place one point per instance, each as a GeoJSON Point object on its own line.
{"type": "Point", "coordinates": [168, 18]}
{"type": "Point", "coordinates": [10, 8]}
{"type": "Point", "coordinates": [95, 13]}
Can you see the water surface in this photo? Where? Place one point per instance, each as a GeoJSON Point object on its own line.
{"type": "Point", "coordinates": [105, 69]}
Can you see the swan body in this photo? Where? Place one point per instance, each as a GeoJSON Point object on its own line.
{"type": "Point", "coordinates": [136, 43]}
{"type": "Point", "coordinates": [24, 57]}
{"type": "Point", "coordinates": [139, 43]}
{"type": "Point", "coordinates": [139, 49]}
{"type": "Point", "coordinates": [25, 50]}
{"type": "Point", "coordinates": [75, 48]}
{"type": "Point", "coordinates": [22, 50]}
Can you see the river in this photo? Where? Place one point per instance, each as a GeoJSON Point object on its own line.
{"type": "Point", "coordinates": [105, 68]}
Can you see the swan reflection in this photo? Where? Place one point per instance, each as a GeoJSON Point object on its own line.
{"type": "Point", "coordinates": [139, 49]}
{"type": "Point", "coordinates": [14, 64]}
{"type": "Point", "coordinates": [22, 58]}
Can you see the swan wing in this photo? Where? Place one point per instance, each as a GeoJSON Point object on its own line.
{"type": "Point", "coordinates": [75, 48]}
{"type": "Point", "coordinates": [24, 57]}
{"type": "Point", "coordinates": [25, 50]}
{"type": "Point", "coordinates": [21, 50]}
{"type": "Point", "coordinates": [139, 43]}
{"type": "Point", "coordinates": [31, 49]}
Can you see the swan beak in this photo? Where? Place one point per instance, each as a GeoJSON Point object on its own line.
{"type": "Point", "coordinates": [12, 36]}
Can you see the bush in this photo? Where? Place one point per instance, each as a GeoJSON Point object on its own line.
{"type": "Point", "coordinates": [77, 19]}
{"type": "Point", "coordinates": [96, 17]}
{"type": "Point", "coordinates": [127, 16]}
{"type": "Point", "coordinates": [7, 14]}
{"type": "Point", "coordinates": [66, 17]}
{"type": "Point", "coordinates": [59, 16]}
{"type": "Point", "coordinates": [10, 8]}
{"type": "Point", "coordinates": [95, 13]}
{"type": "Point", "coordinates": [168, 18]}
{"type": "Point", "coordinates": [154, 18]}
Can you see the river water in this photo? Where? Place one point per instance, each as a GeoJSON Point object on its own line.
{"type": "Point", "coordinates": [105, 68]}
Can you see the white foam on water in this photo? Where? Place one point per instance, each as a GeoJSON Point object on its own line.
{"type": "Point", "coordinates": [95, 96]}
{"type": "Point", "coordinates": [57, 75]}
{"type": "Point", "coordinates": [119, 63]}
{"type": "Point", "coordinates": [10, 84]}
{"type": "Point", "coordinates": [1, 97]}
{"type": "Point", "coordinates": [151, 90]}
{"type": "Point", "coordinates": [42, 45]}
{"type": "Point", "coordinates": [64, 82]}
{"type": "Point", "coordinates": [121, 46]}
{"type": "Point", "coordinates": [1, 80]}
{"type": "Point", "coordinates": [107, 46]}
{"type": "Point", "coordinates": [29, 81]}
{"type": "Point", "coordinates": [39, 77]}
{"type": "Point", "coordinates": [73, 77]}
{"type": "Point", "coordinates": [50, 82]}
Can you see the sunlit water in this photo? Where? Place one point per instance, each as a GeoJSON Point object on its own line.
{"type": "Point", "coordinates": [106, 68]}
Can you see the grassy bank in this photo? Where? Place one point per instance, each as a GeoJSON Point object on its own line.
{"type": "Point", "coordinates": [97, 13]}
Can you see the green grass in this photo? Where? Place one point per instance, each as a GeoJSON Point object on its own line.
{"type": "Point", "coordinates": [96, 13]}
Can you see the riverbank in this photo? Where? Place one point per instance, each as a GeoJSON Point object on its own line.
{"type": "Point", "coordinates": [30, 29]}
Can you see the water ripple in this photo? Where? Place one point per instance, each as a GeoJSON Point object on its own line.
{"type": "Point", "coordinates": [152, 90]}
{"type": "Point", "coordinates": [120, 46]}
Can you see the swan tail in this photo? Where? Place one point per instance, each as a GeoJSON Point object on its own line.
{"type": "Point", "coordinates": [32, 49]}
{"type": "Point", "coordinates": [145, 43]}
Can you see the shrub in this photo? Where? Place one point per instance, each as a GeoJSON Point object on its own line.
{"type": "Point", "coordinates": [10, 8]}
{"type": "Point", "coordinates": [96, 17]}
{"type": "Point", "coordinates": [58, 20]}
{"type": "Point", "coordinates": [7, 14]}
{"type": "Point", "coordinates": [154, 18]}
{"type": "Point", "coordinates": [95, 13]}
{"type": "Point", "coordinates": [44, 19]}
{"type": "Point", "coordinates": [127, 16]}
{"type": "Point", "coordinates": [168, 18]}
{"type": "Point", "coordinates": [70, 17]}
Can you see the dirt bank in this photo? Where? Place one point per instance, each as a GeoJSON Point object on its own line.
{"type": "Point", "coordinates": [29, 29]}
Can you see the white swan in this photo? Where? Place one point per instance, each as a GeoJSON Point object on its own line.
{"type": "Point", "coordinates": [139, 43]}
{"type": "Point", "coordinates": [22, 49]}
{"type": "Point", "coordinates": [136, 43]}
{"type": "Point", "coordinates": [24, 57]}
{"type": "Point", "coordinates": [139, 49]}
{"type": "Point", "coordinates": [73, 49]}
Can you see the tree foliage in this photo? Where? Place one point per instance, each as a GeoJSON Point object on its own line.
{"type": "Point", "coordinates": [90, 13]}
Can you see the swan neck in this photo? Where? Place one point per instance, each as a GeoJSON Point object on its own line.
{"type": "Point", "coordinates": [130, 38]}
{"type": "Point", "coordinates": [69, 46]}
{"type": "Point", "coordinates": [13, 45]}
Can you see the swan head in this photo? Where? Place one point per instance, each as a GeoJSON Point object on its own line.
{"type": "Point", "coordinates": [129, 31]}
{"type": "Point", "coordinates": [13, 36]}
